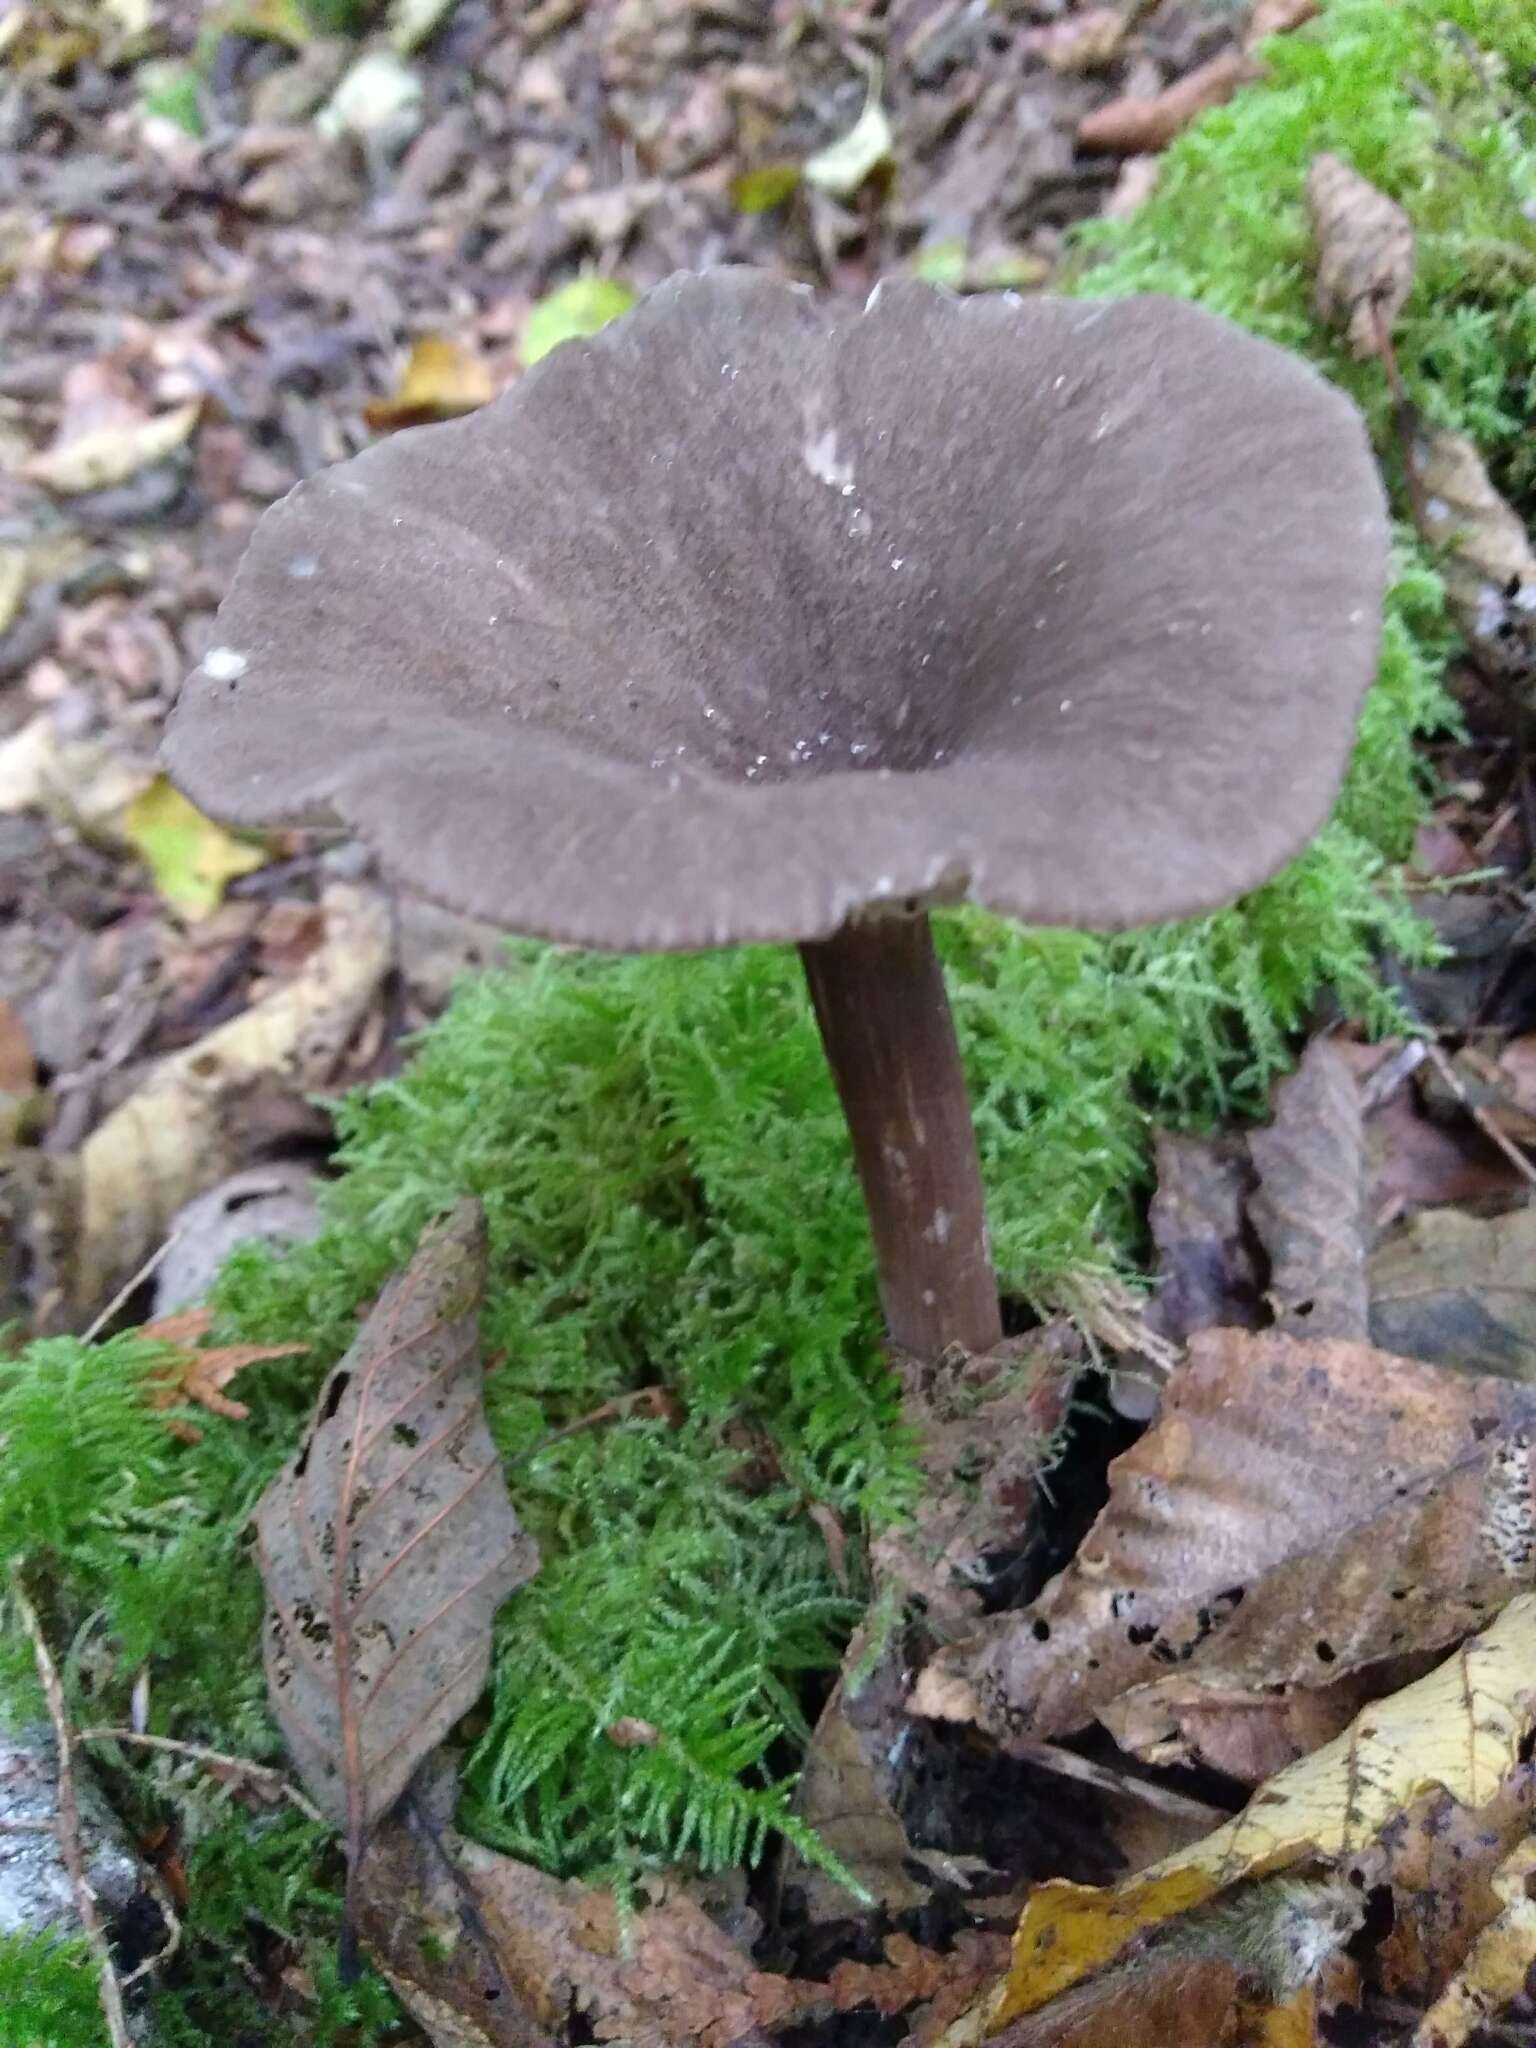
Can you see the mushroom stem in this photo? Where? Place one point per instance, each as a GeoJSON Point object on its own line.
{"type": "Point", "coordinates": [885, 1021]}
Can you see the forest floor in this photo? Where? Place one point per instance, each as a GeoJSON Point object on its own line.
{"type": "Point", "coordinates": [240, 243]}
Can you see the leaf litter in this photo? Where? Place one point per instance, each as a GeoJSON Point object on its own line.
{"type": "Point", "coordinates": [412, 266]}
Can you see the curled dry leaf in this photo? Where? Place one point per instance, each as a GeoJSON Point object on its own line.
{"type": "Point", "coordinates": [1459, 1290]}
{"type": "Point", "coordinates": [1364, 252]}
{"type": "Point", "coordinates": [1485, 552]}
{"type": "Point", "coordinates": [181, 1129]}
{"type": "Point", "coordinates": [1461, 1730]}
{"type": "Point", "coordinates": [388, 1543]}
{"type": "Point", "coordinates": [1297, 1513]}
{"type": "Point", "coordinates": [1137, 127]}
{"type": "Point", "coordinates": [1309, 1206]}
{"type": "Point", "coordinates": [842, 167]}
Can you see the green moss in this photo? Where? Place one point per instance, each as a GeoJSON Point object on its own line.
{"type": "Point", "coordinates": [668, 1183]}
{"type": "Point", "coordinates": [48, 1996]}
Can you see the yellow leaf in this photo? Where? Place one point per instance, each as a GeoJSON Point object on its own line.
{"type": "Point", "coordinates": [1495, 1972]}
{"type": "Point", "coordinates": [762, 189]}
{"type": "Point", "coordinates": [190, 857]}
{"type": "Point", "coordinates": [103, 457]}
{"type": "Point", "coordinates": [842, 166]}
{"type": "Point", "coordinates": [441, 379]}
{"type": "Point", "coordinates": [276, 21]}
{"type": "Point", "coordinates": [574, 310]}
{"type": "Point", "coordinates": [1460, 1729]}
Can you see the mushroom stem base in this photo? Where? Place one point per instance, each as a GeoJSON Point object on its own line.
{"type": "Point", "coordinates": [885, 1021]}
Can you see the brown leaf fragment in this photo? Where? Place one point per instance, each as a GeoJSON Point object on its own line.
{"type": "Point", "coordinates": [1500, 1965]}
{"type": "Point", "coordinates": [846, 1794]}
{"type": "Point", "coordinates": [1279, 17]}
{"type": "Point", "coordinates": [1139, 127]}
{"type": "Point", "coordinates": [1364, 252]}
{"type": "Point", "coordinates": [1309, 1207]}
{"type": "Point", "coordinates": [1460, 1291]}
{"type": "Point", "coordinates": [198, 1376]}
{"type": "Point", "coordinates": [555, 1952]}
{"type": "Point", "coordinates": [388, 1543]}
{"type": "Point", "coordinates": [1297, 1513]}
{"type": "Point", "coordinates": [1208, 1271]}
{"type": "Point", "coordinates": [1441, 1859]}
{"type": "Point", "coordinates": [1485, 552]}
{"type": "Point", "coordinates": [18, 1068]}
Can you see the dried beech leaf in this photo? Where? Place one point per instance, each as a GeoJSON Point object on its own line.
{"type": "Point", "coordinates": [555, 1950]}
{"type": "Point", "coordinates": [1309, 1208]}
{"type": "Point", "coordinates": [1296, 1513]}
{"type": "Point", "coordinates": [1459, 1290]}
{"type": "Point", "coordinates": [1364, 252]}
{"type": "Point", "coordinates": [183, 1128]}
{"type": "Point", "coordinates": [1486, 556]}
{"type": "Point", "coordinates": [388, 1543]}
{"type": "Point", "coordinates": [1461, 1731]}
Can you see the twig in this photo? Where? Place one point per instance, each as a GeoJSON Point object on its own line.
{"type": "Point", "coordinates": [67, 1826]}
{"type": "Point", "coordinates": [127, 1290]}
{"type": "Point", "coordinates": [172, 1941]}
{"type": "Point", "coordinates": [1066, 1764]}
{"type": "Point", "coordinates": [1480, 1116]}
{"type": "Point", "coordinates": [215, 1759]}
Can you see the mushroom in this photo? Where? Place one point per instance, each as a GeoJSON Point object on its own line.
{"type": "Point", "coordinates": [756, 618]}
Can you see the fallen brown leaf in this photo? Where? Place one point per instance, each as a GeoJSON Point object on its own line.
{"type": "Point", "coordinates": [377, 1641]}
{"type": "Point", "coordinates": [1138, 127]}
{"type": "Point", "coordinates": [553, 1951]}
{"type": "Point", "coordinates": [1309, 1206]}
{"type": "Point", "coordinates": [1498, 1968]}
{"type": "Point", "coordinates": [1297, 1513]}
{"type": "Point", "coordinates": [1501, 1085]}
{"type": "Point", "coordinates": [198, 1376]}
{"type": "Point", "coordinates": [1485, 552]}
{"type": "Point", "coordinates": [1364, 252]}
{"type": "Point", "coordinates": [1460, 1291]}
{"type": "Point", "coordinates": [1208, 1269]}
{"type": "Point", "coordinates": [18, 1068]}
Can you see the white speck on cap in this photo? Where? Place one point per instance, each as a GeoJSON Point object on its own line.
{"type": "Point", "coordinates": [224, 664]}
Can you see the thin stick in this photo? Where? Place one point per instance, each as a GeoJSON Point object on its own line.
{"type": "Point", "coordinates": [127, 1290]}
{"type": "Point", "coordinates": [67, 1827]}
{"type": "Point", "coordinates": [260, 1774]}
{"type": "Point", "coordinates": [1066, 1764]}
{"type": "Point", "coordinates": [1480, 1116]}
{"type": "Point", "coordinates": [172, 1942]}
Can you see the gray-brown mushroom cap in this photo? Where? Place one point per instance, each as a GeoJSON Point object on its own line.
{"type": "Point", "coordinates": [754, 611]}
